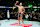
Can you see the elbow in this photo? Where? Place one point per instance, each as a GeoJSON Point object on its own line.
{"type": "Point", "coordinates": [15, 5]}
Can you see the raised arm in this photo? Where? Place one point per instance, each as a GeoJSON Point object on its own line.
{"type": "Point", "coordinates": [16, 3]}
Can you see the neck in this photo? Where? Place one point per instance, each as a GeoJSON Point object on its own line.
{"type": "Point", "coordinates": [20, 6]}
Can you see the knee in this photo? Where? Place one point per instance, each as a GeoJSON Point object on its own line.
{"type": "Point", "coordinates": [18, 18]}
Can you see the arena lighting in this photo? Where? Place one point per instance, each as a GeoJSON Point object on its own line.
{"type": "Point", "coordinates": [35, 9]}
{"type": "Point", "coordinates": [15, 7]}
{"type": "Point", "coordinates": [30, 5]}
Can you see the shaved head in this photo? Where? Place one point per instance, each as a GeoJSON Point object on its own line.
{"type": "Point", "coordinates": [20, 4]}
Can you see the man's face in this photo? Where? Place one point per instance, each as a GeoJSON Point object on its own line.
{"type": "Point", "coordinates": [20, 4]}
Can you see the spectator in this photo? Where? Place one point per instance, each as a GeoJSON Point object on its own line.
{"type": "Point", "coordinates": [11, 13]}
{"type": "Point", "coordinates": [0, 16]}
{"type": "Point", "coordinates": [8, 14]}
{"type": "Point", "coordinates": [26, 16]}
{"type": "Point", "coordinates": [36, 15]}
{"type": "Point", "coordinates": [30, 15]}
{"type": "Point", "coordinates": [15, 12]}
{"type": "Point", "coordinates": [3, 15]}
{"type": "Point", "coordinates": [39, 18]}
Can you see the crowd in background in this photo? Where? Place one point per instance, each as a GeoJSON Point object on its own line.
{"type": "Point", "coordinates": [27, 15]}
{"type": "Point", "coordinates": [2, 13]}
{"type": "Point", "coordinates": [30, 14]}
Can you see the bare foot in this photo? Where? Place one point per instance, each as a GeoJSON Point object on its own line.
{"type": "Point", "coordinates": [19, 23]}
{"type": "Point", "coordinates": [23, 24]}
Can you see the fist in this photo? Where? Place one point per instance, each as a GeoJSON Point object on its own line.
{"type": "Point", "coordinates": [17, 1]}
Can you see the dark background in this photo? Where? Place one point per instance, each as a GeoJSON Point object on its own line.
{"type": "Point", "coordinates": [10, 3]}
{"type": "Point", "coordinates": [25, 2]}
{"type": "Point", "coordinates": [12, 16]}
{"type": "Point", "coordinates": [4, 11]}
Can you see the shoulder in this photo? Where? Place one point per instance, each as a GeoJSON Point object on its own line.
{"type": "Point", "coordinates": [17, 6]}
{"type": "Point", "coordinates": [23, 6]}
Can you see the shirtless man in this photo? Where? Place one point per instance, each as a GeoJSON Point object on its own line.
{"type": "Point", "coordinates": [21, 10]}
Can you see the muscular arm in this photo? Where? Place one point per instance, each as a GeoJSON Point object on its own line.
{"type": "Point", "coordinates": [16, 5]}
{"type": "Point", "coordinates": [23, 9]}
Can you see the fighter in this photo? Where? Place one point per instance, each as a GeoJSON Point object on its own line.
{"type": "Point", "coordinates": [21, 10]}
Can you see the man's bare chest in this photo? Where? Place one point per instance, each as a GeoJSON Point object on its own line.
{"type": "Point", "coordinates": [20, 7]}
